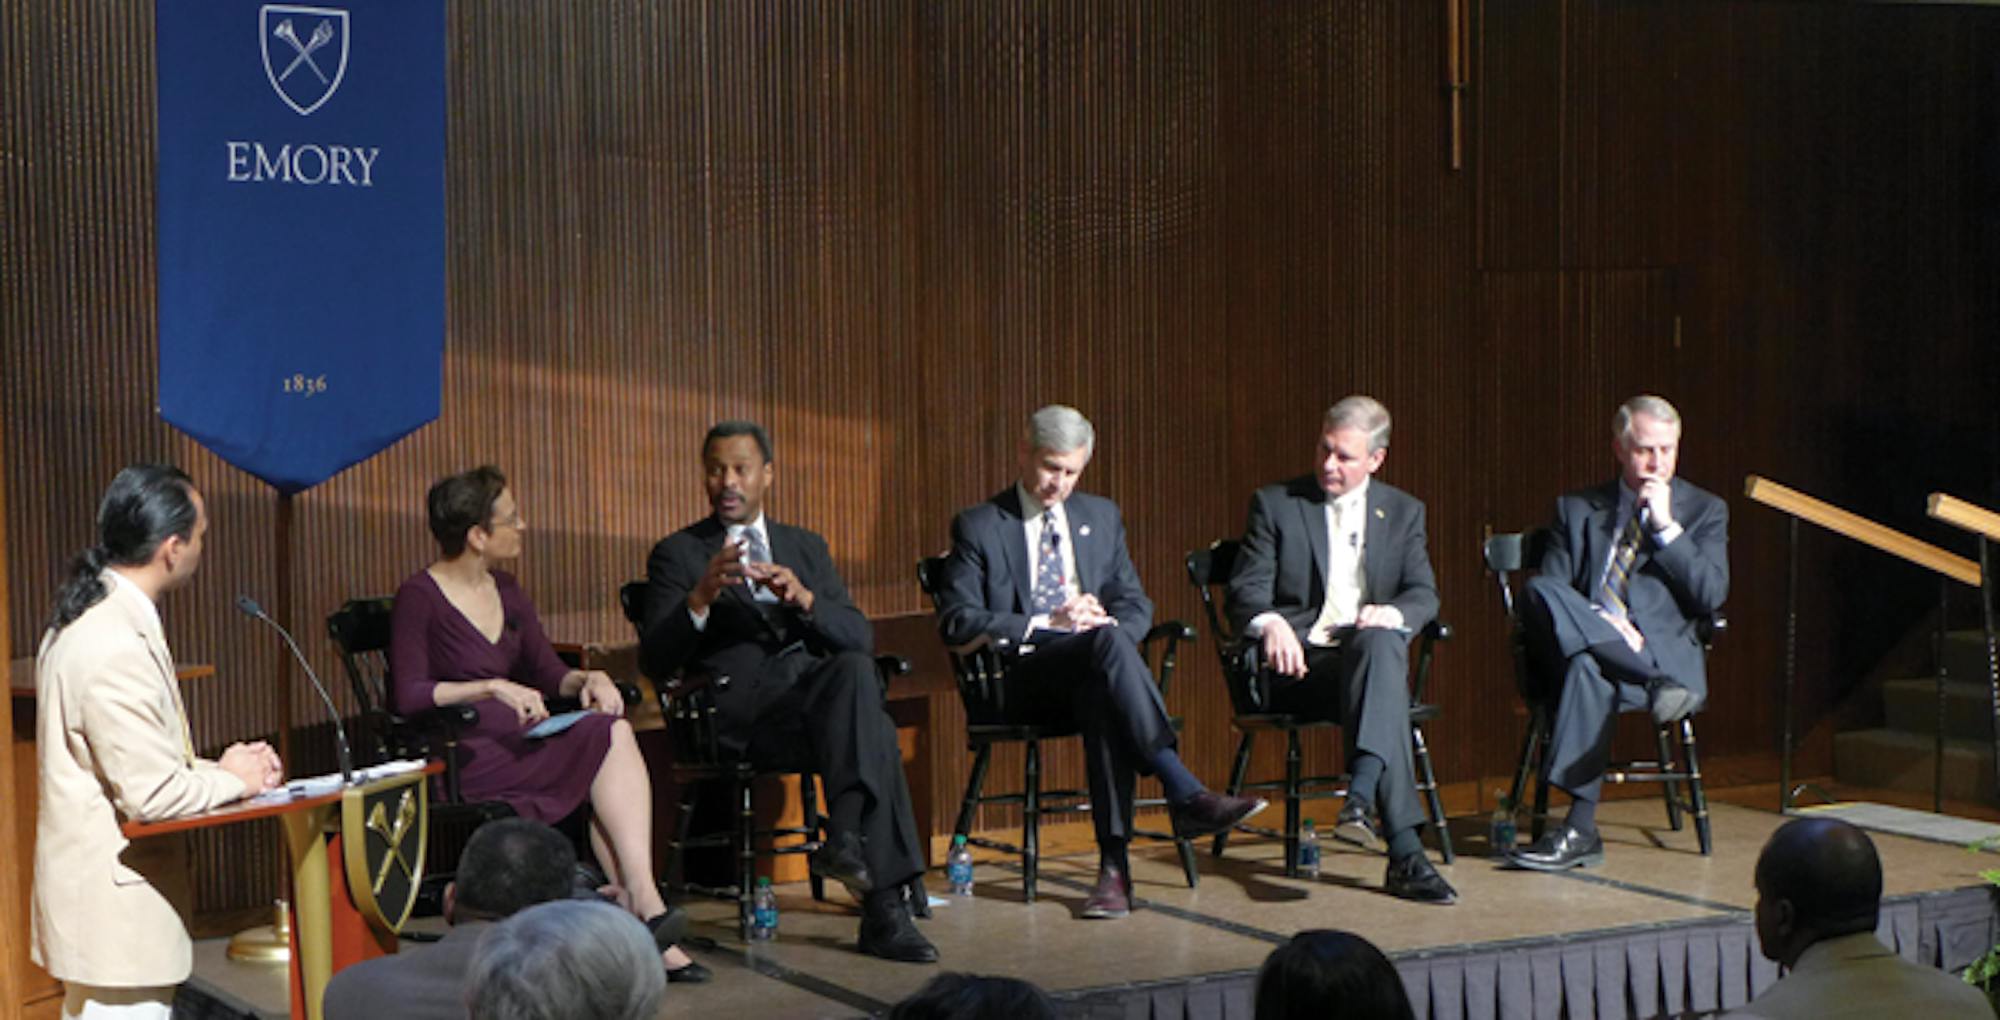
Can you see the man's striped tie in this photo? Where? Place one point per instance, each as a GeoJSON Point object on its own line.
{"type": "Point", "coordinates": [1618, 577]}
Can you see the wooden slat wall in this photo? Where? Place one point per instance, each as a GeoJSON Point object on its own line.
{"type": "Point", "coordinates": [890, 228]}
{"type": "Point", "coordinates": [14, 963]}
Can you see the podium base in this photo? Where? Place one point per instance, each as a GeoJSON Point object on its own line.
{"type": "Point", "coordinates": [268, 943]}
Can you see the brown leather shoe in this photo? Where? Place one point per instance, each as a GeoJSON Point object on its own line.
{"type": "Point", "coordinates": [1207, 813]}
{"type": "Point", "coordinates": [1113, 896]}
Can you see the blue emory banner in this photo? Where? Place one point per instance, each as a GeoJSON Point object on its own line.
{"type": "Point", "coordinates": [301, 228]}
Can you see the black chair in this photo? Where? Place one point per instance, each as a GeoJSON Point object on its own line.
{"type": "Point", "coordinates": [360, 630]}
{"type": "Point", "coordinates": [700, 759]}
{"type": "Point", "coordinates": [978, 668]}
{"type": "Point", "coordinates": [1510, 553]}
{"type": "Point", "coordinates": [1250, 698]}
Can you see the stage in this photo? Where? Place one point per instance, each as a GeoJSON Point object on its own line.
{"type": "Point", "coordinates": [1658, 930]}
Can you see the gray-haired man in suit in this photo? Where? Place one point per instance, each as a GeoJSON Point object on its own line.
{"type": "Point", "coordinates": [1332, 581]}
{"type": "Point", "coordinates": [1043, 569]}
{"type": "Point", "coordinates": [1633, 567]}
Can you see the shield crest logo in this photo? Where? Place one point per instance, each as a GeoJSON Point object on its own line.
{"type": "Point", "coordinates": [305, 53]}
{"type": "Point", "coordinates": [383, 836]}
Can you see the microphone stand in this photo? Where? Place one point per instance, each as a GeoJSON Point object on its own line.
{"type": "Point", "coordinates": [341, 748]}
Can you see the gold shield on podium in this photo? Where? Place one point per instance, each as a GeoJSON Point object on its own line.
{"type": "Point", "coordinates": [383, 836]}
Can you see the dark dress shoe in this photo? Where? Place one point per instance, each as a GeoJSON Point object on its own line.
{"type": "Point", "coordinates": [1207, 813]}
{"type": "Point", "coordinates": [668, 927]}
{"type": "Point", "coordinates": [1413, 878]}
{"type": "Point", "coordinates": [1356, 824]}
{"type": "Point", "coordinates": [691, 974]}
{"type": "Point", "coordinates": [888, 932]}
{"type": "Point", "coordinates": [840, 859]}
{"type": "Point", "coordinates": [1560, 850]}
{"type": "Point", "coordinates": [1113, 896]}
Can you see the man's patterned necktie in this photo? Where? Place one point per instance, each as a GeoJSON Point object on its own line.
{"type": "Point", "coordinates": [1049, 568]}
{"type": "Point", "coordinates": [1618, 576]}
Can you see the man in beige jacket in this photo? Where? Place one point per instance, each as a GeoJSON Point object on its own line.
{"type": "Point", "coordinates": [1819, 901]}
{"type": "Point", "coordinates": [115, 747]}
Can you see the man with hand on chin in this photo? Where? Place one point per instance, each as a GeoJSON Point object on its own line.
{"type": "Point", "coordinates": [1332, 580]}
{"type": "Point", "coordinates": [1043, 570]}
{"type": "Point", "coordinates": [758, 609]}
{"type": "Point", "coordinates": [1633, 568]}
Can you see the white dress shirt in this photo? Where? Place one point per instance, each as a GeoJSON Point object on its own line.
{"type": "Point", "coordinates": [1346, 576]}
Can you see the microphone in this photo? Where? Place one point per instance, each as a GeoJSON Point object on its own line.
{"type": "Point", "coordinates": [250, 608]}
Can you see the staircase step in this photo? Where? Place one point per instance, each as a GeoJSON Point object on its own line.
{"type": "Point", "coordinates": [1911, 707]}
{"type": "Point", "coordinates": [1965, 655]}
{"type": "Point", "coordinates": [1895, 760]}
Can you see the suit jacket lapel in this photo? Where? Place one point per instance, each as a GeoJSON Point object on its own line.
{"type": "Point", "coordinates": [163, 659]}
{"type": "Point", "coordinates": [1374, 550]}
{"type": "Point", "coordinates": [1081, 547]}
{"type": "Point", "coordinates": [1312, 514]}
{"type": "Point", "coordinates": [1602, 536]}
{"type": "Point", "coordinates": [1014, 546]}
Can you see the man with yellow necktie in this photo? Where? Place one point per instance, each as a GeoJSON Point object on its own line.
{"type": "Point", "coordinates": [1633, 566]}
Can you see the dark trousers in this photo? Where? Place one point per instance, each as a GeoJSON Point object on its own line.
{"type": "Point", "coordinates": [1601, 677]}
{"type": "Point", "coordinates": [833, 706]}
{"type": "Point", "coordinates": [1098, 682]}
{"type": "Point", "coordinates": [1363, 684]}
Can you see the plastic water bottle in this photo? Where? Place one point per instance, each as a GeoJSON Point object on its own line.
{"type": "Point", "coordinates": [958, 867]}
{"type": "Point", "coordinates": [763, 913]}
{"type": "Point", "coordinates": [1309, 851]}
{"type": "Point", "coordinates": [1500, 832]}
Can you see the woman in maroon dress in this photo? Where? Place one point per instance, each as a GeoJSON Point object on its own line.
{"type": "Point", "coordinates": [463, 632]}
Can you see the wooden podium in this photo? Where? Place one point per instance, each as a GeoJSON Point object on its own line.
{"type": "Point", "coordinates": [340, 915]}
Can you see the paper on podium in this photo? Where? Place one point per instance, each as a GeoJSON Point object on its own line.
{"type": "Point", "coordinates": [315, 786]}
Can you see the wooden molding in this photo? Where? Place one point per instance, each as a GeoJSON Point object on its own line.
{"type": "Point", "coordinates": [15, 877]}
{"type": "Point", "coordinates": [1860, 529]}
{"type": "Point", "coordinates": [1959, 513]}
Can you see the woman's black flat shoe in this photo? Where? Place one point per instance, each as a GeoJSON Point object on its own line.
{"type": "Point", "coordinates": [694, 973]}
{"type": "Point", "coordinates": [668, 927]}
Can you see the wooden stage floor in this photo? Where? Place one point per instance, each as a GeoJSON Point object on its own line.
{"type": "Point", "coordinates": [1200, 946]}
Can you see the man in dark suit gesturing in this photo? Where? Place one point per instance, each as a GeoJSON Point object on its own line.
{"type": "Point", "coordinates": [758, 607]}
{"type": "Point", "coordinates": [1632, 569]}
{"type": "Point", "coordinates": [1043, 570]}
{"type": "Point", "coordinates": [1332, 581]}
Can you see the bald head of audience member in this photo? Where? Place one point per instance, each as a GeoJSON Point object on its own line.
{"type": "Point", "coordinates": [1818, 878]}
{"type": "Point", "coordinates": [567, 960]}
{"type": "Point", "coordinates": [1323, 974]}
{"type": "Point", "coordinates": [953, 996]}
{"type": "Point", "coordinates": [507, 866]}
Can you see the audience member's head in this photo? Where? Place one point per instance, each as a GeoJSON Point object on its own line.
{"type": "Point", "coordinates": [567, 960]}
{"type": "Point", "coordinates": [462, 502]}
{"type": "Point", "coordinates": [1817, 878]}
{"type": "Point", "coordinates": [507, 866]}
{"type": "Point", "coordinates": [1330, 975]}
{"type": "Point", "coordinates": [971, 997]}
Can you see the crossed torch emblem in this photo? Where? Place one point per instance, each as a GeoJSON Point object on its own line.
{"type": "Point", "coordinates": [322, 34]}
{"type": "Point", "coordinates": [392, 834]}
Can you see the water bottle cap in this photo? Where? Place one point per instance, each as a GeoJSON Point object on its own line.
{"type": "Point", "coordinates": [763, 880]}
{"type": "Point", "coordinates": [1309, 823]}
{"type": "Point", "coordinates": [958, 840]}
